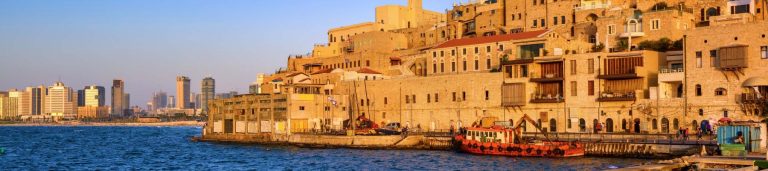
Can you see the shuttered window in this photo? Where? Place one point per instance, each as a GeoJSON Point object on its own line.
{"type": "Point", "coordinates": [513, 94]}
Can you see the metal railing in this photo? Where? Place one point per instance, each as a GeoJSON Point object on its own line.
{"type": "Point", "coordinates": [671, 70]}
{"type": "Point", "coordinates": [638, 138]}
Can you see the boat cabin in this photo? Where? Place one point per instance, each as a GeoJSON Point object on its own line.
{"type": "Point", "coordinates": [490, 135]}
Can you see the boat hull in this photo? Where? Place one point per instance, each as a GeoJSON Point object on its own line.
{"type": "Point", "coordinates": [548, 149]}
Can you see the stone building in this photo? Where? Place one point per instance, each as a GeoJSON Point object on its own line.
{"type": "Point", "coordinates": [635, 66]}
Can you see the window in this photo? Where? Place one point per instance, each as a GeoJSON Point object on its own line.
{"type": "Point", "coordinates": [434, 54]}
{"type": "Point", "coordinates": [429, 98]}
{"type": "Point", "coordinates": [698, 90]}
{"type": "Point", "coordinates": [764, 52]}
{"type": "Point", "coordinates": [453, 52]}
{"type": "Point", "coordinates": [721, 92]}
{"type": "Point", "coordinates": [591, 88]}
{"type": "Point", "coordinates": [454, 96]}
{"type": "Point", "coordinates": [573, 67]}
{"type": "Point", "coordinates": [573, 88]}
{"type": "Point", "coordinates": [714, 60]}
{"type": "Point", "coordinates": [488, 49]}
{"type": "Point", "coordinates": [434, 67]}
{"type": "Point", "coordinates": [453, 66]}
{"type": "Point", "coordinates": [488, 63]}
{"type": "Point", "coordinates": [463, 96]}
{"type": "Point", "coordinates": [486, 95]}
{"type": "Point", "coordinates": [442, 53]}
{"type": "Point", "coordinates": [554, 20]}
{"type": "Point", "coordinates": [562, 21]}
{"type": "Point", "coordinates": [464, 51]}
{"type": "Point", "coordinates": [501, 47]}
{"type": "Point", "coordinates": [367, 63]}
{"type": "Point", "coordinates": [523, 71]}
{"type": "Point", "coordinates": [477, 50]}
{"type": "Point", "coordinates": [407, 99]}
{"type": "Point", "coordinates": [534, 2]}
{"type": "Point", "coordinates": [464, 65]}
{"type": "Point", "coordinates": [611, 29]}
{"type": "Point", "coordinates": [591, 66]}
{"type": "Point", "coordinates": [413, 98]}
{"type": "Point", "coordinates": [385, 100]}
{"type": "Point", "coordinates": [437, 98]}
{"type": "Point", "coordinates": [534, 23]}
{"type": "Point", "coordinates": [740, 9]}
{"type": "Point", "coordinates": [442, 67]}
{"type": "Point", "coordinates": [543, 23]}
{"type": "Point", "coordinates": [655, 24]}
{"type": "Point", "coordinates": [698, 59]}
{"type": "Point", "coordinates": [477, 65]}
{"type": "Point", "coordinates": [301, 108]}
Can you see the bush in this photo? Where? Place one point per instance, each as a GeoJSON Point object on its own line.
{"type": "Point", "coordinates": [661, 45]}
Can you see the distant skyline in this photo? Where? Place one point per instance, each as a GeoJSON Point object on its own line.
{"type": "Point", "coordinates": [147, 43]}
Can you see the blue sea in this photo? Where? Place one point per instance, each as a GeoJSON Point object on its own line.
{"type": "Point", "coordinates": [170, 148]}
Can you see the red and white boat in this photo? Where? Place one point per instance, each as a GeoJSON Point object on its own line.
{"type": "Point", "coordinates": [501, 141]}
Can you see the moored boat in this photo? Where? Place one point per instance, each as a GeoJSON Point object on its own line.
{"type": "Point", "coordinates": [502, 141]}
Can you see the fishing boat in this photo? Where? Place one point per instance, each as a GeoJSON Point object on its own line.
{"type": "Point", "coordinates": [506, 141]}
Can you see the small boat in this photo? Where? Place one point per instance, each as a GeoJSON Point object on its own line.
{"type": "Point", "coordinates": [2, 150]}
{"type": "Point", "coordinates": [501, 141]}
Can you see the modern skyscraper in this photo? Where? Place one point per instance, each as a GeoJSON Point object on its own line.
{"type": "Point", "coordinates": [81, 98]}
{"type": "Point", "coordinates": [159, 100]}
{"type": "Point", "coordinates": [3, 104]}
{"type": "Point", "coordinates": [171, 101]}
{"type": "Point", "coordinates": [208, 90]}
{"type": "Point", "coordinates": [182, 92]}
{"type": "Point", "coordinates": [59, 101]}
{"type": "Point", "coordinates": [93, 96]}
{"type": "Point", "coordinates": [118, 96]}
{"type": "Point", "coordinates": [126, 102]}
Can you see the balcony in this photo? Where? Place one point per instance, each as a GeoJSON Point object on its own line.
{"type": "Point", "coordinates": [629, 74]}
{"type": "Point", "coordinates": [752, 98]}
{"type": "Point", "coordinates": [671, 74]}
{"type": "Point", "coordinates": [547, 78]}
{"type": "Point", "coordinates": [518, 61]}
{"type": "Point", "coordinates": [593, 5]}
{"type": "Point", "coordinates": [633, 30]}
{"type": "Point", "coordinates": [614, 96]}
{"type": "Point", "coordinates": [541, 98]}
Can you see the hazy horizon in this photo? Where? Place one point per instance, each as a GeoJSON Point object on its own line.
{"type": "Point", "coordinates": [93, 42]}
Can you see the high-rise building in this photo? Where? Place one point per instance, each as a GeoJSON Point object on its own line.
{"type": "Point", "coordinates": [118, 96]}
{"type": "Point", "coordinates": [126, 104]}
{"type": "Point", "coordinates": [93, 96]}
{"type": "Point", "coordinates": [208, 90]}
{"type": "Point", "coordinates": [3, 104]}
{"type": "Point", "coordinates": [171, 101]}
{"type": "Point", "coordinates": [159, 101]}
{"type": "Point", "coordinates": [31, 101]}
{"type": "Point", "coordinates": [60, 101]}
{"type": "Point", "coordinates": [182, 92]}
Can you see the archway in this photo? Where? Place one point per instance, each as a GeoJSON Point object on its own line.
{"type": "Point", "coordinates": [637, 126]}
{"type": "Point", "coordinates": [624, 125]}
{"type": "Point", "coordinates": [609, 125]}
{"type": "Point", "coordinates": [582, 125]}
{"type": "Point", "coordinates": [552, 125]}
{"type": "Point", "coordinates": [694, 124]}
{"type": "Point", "coordinates": [594, 125]}
{"type": "Point", "coordinates": [675, 124]}
{"type": "Point", "coordinates": [665, 125]}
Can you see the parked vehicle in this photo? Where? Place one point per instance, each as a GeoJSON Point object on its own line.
{"type": "Point", "coordinates": [392, 128]}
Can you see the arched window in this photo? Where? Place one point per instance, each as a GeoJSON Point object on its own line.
{"type": "Point", "coordinates": [694, 124]}
{"type": "Point", "coordinates": [665, 125]}
{"type": "Point", "coordinates": [608, 125]}
{"type": "Point", "coordinates": [721, 92]}
{"type": "Point", "coordinates": [552, 125]}
{"type": "Point", "coordinates": [655, 124]}
{"type": "Point", "coordinates": [675, 124]}
{"type": "Point", "coordinates": [582, 125]}
{"type": "Point", "coordinates": [698, 89]}
{"type": "Point", "coordinates": [624, 124]}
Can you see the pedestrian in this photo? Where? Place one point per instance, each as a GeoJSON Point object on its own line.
{"type": "Point", "coordinates": [451, 130]}
{"type": "Point", "coordinates": [602, 126]}
{"type": "Point", "coordinates": [685, 134]}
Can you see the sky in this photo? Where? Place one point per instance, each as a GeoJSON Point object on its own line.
{"type": "Point", "coordinates": [147, 43]}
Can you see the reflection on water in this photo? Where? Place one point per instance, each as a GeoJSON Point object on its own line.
{"type": "Point", "coordinates": [169, 148]}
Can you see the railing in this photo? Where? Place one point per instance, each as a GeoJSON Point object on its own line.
{"type": "Point", "coordinates": [637, 138]}
{"type": "Point", "coordinates": [671, 70]}
{"type": "Point", "coordinates": [592, 6]}
{"type": "Point", "coordinates": [751, 98]}
{"type": "Point", "coordinates": [617, 96]}
{"type": "Point", "coordinates": [546, 98]}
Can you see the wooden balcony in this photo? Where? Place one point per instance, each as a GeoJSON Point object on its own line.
{"type": "Point", "coordinates": [547, 79]}
{"type": "Point", "coordinates": [616, 96]}
{"type": "Point", "coordinates": [751, 98]}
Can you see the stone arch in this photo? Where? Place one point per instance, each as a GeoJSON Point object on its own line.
{"type": "Point", "coordinates": [664, 125]}
{"type": "Point", "coordinates": [591, 17]}
{"type": "Point", "coordinates": [552, 125]}
{"type": "Point", "coordinates": [582, 125]}
{"type": "Point", "coordinates": [609, 125]}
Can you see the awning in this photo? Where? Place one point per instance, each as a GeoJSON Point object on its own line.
{"type": "Point", "coordinates": [755, 81]}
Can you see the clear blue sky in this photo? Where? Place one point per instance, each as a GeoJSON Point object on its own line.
{"type": "Point", "coordinates": [148, 43]}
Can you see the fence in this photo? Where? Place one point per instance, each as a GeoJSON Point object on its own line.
{"type": "Point", "coordinates": [625, 138]}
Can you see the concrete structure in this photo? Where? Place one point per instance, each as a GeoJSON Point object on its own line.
{"type": "Point", "coordinates": [182, 92]}
{"type": "Point", "coordinates": [60, 101]}
{"type": "Point", "coordinates": [118, 96]}
{"type": "Point", "coordinates": [92, 96]}
{"type": "Point", "coordinates": [208, 90]}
